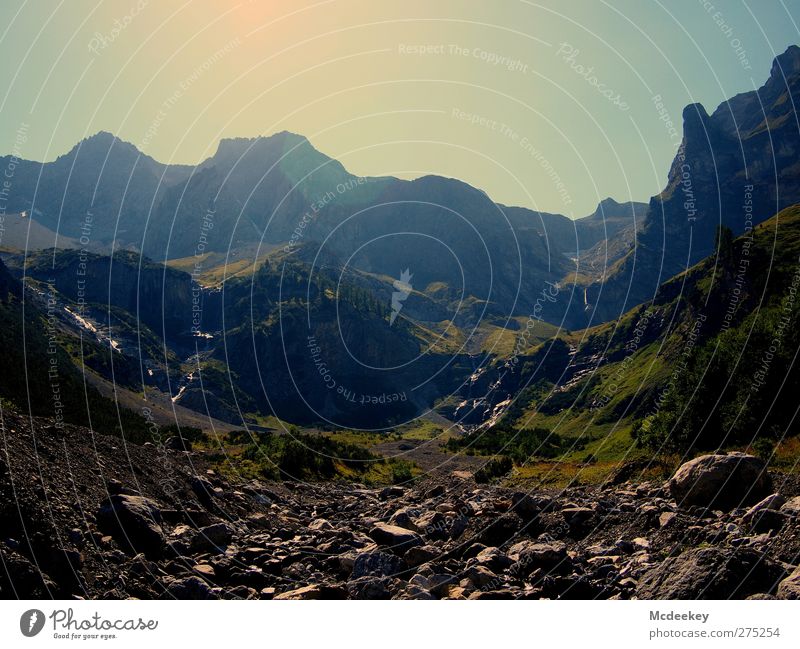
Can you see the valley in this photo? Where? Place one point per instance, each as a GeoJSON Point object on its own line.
{"type": "Point", "coordinates": [335, 386]}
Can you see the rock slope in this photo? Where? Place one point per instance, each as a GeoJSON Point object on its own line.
{"type": "Point", "coordinates": [87, 516]}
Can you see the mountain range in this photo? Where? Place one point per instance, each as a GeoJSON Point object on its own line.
{"type": "Point", "coordinates": [238, 287]}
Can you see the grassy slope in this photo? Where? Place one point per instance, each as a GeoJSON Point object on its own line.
{"type": "Point", "coordinates": [599, 410]}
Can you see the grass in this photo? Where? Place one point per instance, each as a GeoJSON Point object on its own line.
{"type": "Point", "coordinates": [216, 268]}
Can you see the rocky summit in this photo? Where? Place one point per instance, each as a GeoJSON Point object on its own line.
{"type": "Point", "coordinates": [87, 516]}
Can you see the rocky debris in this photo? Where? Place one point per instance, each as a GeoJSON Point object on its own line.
{"type": "Point", "coordinates": [369, 588]}
{"type": "Point", "coordinates": [147, 525]}
{"type": "Point", "coordinates": [724, 481]}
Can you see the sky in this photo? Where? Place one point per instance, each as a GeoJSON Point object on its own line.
{"type": "Point", "coordinates": [551, 105]}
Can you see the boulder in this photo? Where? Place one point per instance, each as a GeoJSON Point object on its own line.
{"type": "Point", "coordinates": [190, 588]}
{"type": "Point", "coordinates": [212, 537]}
{"type": "Point", "coordinates": [792, 507]}
{"type": "Point", "coordinates": [369, 588]}
{"type": "Point", "coordinates": [547, 556]}
{"type": "Point", "coordinates": [500, 530]}
{"type": "Point", "coordinates": [395, 538]}
{"type": "Point", "coordinates": [433, 525]}
{"type": "Point", "coordinates": [667, 518]}
{"type": "Point", "coordinates": [710, 573]}
{"type": "Point", "coordinates": [377, 564]}
{"type": "Point", "coordinates": [387, 493]}
{"type": "Point", "coordinates": [134, 522]}
{"type": "Point", "coordinates": [494, 559]}
{"type": "Point", "coordinates": [577, 517]}
{"type": "Point", "coordinates": [481, 576]}
{"type": "Point", "coordinates": [789, 588]}
{"type": "Point", "coordinates": [421, 554]}
{"type": "Point", "coordinates": [403, 518]}
{"type": "Point", "coordinates": [723, 481]}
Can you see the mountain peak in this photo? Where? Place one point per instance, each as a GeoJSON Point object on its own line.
{"type": "Point", "coordinates": [786, 63]}
{"type": "Point", "coordinates": [232, 149]}
{"type": "Point", "coordinates": [243, 143]}
{"type": "Point", "coordinates": [102, 137]}
{"type": "Point", "coordinates": [609, 208]}
{"type": "Point", "coordinates": [101, 144]}
{"type": "Point", "coordinates": [607, 203]}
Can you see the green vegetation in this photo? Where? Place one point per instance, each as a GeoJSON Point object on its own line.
{"type": "Point", "coordinates": [41, 379]}
{"type": "Point", "coordinates": [735, 388]}
{"type": "Point", "coordinates": [303, 456]}
{"type": "Point", "coordinates": [518, 445]}
{"type": "Point", "coordinates": [497, 467]}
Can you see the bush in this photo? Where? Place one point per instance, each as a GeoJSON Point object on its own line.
{"type": "Point", "coordinates": [519, 445]}
{"type": "Point", "coordinates": [299, 456]}
{"type": "Point", "coordinates": [494, 468]}
{"type": "Point", "coordinates": [401, 471]}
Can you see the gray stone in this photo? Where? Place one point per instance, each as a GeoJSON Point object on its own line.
{"type": "Point", "coordinates": [709, 573]}
{"type": "Point", "coordinates": [792, 506]}
{"type": "Point", "coordinates": [134, 522]}
{"type": "Point", "coordinates": [723, 481]}
{"type": "Point", "coordinates": [377, 564]}
{"type": "Point", "coordinates": [789, 588]}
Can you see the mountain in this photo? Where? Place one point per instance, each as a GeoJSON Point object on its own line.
{"type": "Point", "coordinates": [102, 190]}
{"type": "Point", "coordinates": [41, 377]}
{"type": "Point", "coordinates": [284, 341]}
{"type": "Point", "coordinates": [469, 256]}
{"type": "Point", "coordinates": [735, 167]}
{"type": "Point", "coordinates": [709, 363]}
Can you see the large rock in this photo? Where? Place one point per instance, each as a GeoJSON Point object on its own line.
{"type": "Point", "coordinates": [395, 538]}
{"type": "Point", "coordinates": [547, 556]}
{"type": "Point", "coordinates": [213, 537]}
{"type": "Point", "coordinates": [789, 588]}
{"type": "Point", "coordinates": [377, 564]}
{"type": "Point", "coordinates": [710, 573]}
{"type": "Point", "coordinates": [134, 522]}
{"type": "Point", "coordinates": [500, 530]}
{"type": "Point", "coordinates": [725, 481]}
{"type": "Point", "coordinates": [792, 507]}
{"type": "Point", "coordinates": [190, 588]}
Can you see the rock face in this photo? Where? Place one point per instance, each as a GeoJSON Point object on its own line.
{"type": "Point", "coordinates": [729, 481]}
{"type": "Point", "coordinates": [134, 522]}
{"type": "Point", "coordinates": [746, 146]}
